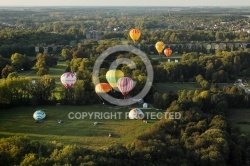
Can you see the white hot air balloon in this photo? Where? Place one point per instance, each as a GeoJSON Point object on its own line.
{"type": "Point", "coordinates": [39, 115]}
{"type": "Point", "coordinates": [136, 113]}
{"type": "Point", "coordinates": [68, 79]}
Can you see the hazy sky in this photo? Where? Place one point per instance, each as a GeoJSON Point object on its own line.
{"type": "Point", "coordinates": [124, 2]}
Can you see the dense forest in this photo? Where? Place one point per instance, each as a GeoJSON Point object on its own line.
{"type": "Point", "coordinates": [203, 136]}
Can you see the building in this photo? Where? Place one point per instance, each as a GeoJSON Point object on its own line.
{"type": "Point", "coordinates": [93, 34]}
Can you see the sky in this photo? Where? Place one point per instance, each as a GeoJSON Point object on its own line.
{"type": "Point", "coordinates": [124, 2]}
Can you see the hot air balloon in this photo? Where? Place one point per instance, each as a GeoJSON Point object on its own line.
{"type": "Point", "coordinates": [112, 77]}
{"type": "Point", "coordinates": [102, 88]}
{"type": "Point", "coordinates": [136, 113]}
{"type": "Point", "coordinates": [168, 52]}
{"type": "Point", "coordinates": [68, 79]}
{"type": "Point", "coordinates": [159, 47]}
{"type": "Point", "coordinates": [135, 34]}
{"type": "Point", "coordinates": [125, 85]}
{"type": "Point", "coordinates": [39, 115]}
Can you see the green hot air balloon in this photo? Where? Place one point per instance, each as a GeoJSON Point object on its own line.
{"type": "Point", "coordinates": [113, 76]}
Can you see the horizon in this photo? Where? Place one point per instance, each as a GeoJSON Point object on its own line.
{"type": "Point", "coordinates": [33, 6]}
{"type": "Point", "coordinates": [125, 3]}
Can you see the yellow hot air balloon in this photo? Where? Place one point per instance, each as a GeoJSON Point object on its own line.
{"type": "Point", "coordinates": [135, 34]}
{"type": "Point", "coordinates": [160, 46]}
{"type": "Point", "coordinates": [113, 76]}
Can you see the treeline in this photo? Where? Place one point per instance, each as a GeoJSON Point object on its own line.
{"type": "Point", "coordinates": [24, 41]}
{"type": "Point", "coordinates": [224, 67]}
{"type": "Point", "coordinates": [178, 36]}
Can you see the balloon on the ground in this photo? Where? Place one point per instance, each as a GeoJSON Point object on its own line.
{"type": "Point", "coordinates": [168, 52]}
{"type": "Point", "coordinates": [68, 79]}
{"type": "Point", "coordinates": [113, 76]}
{"type": "Point", "coordinates": [140, 101]}
{"type": "Point", "coordinates": [159, 46]}
{"type": "Point", "coordinates": [125, 85]}
{"type": "Point", "coordinates": [39, 115]}
{"type": "Point", "coordinates": [135, 34]}
{"type": "Point", "coordinates": [136, 113]}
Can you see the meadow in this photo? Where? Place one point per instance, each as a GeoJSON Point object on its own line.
{"type": "Point", "coordinates": [240, 118]}
{"type": "Point", "coordinates": [76, 128]}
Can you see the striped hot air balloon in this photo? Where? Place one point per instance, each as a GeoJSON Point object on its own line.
{"type": "Point", "coordinates": [112, 77]}
{"type": "Point", "coordinates": [136, 113]}
{"type": "Point", "coordinates": [135, 34]}
{"type": "Point", "coordinates": [39, 115]}
{"type": "Point", "coordinates": [168, 52]}
{"type": "Point", "coordinates": [68, 79]}
{"type": "Point", "coordinates": [125, 85]}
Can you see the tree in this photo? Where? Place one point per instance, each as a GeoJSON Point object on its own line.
{"type": "Point", "coordinates": [220, 76]}
{"type": "Point", "coordinates": [7, 70]}
{"type": "Point", "coordinates": [202, 82]}
{"type": "Point", "coordinates": [4, 62]}
{"type": "Point", "coordinates": [41, 65]}
{"type": "Point", "coordinates": [12, 75]}
{"type": "Point", "coordinates": [18, 60]}
{"type": "Point", "coordinates": [66, 54]}
{"type": "Point", "coordinates": [42, 92]}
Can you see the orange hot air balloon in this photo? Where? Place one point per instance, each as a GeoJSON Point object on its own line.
{"type": "Point", "coordinates": [102, 88]}
{"type": "Point", "coordinates": [168, 52]}
{"type": "Point", "coordinates": [159, 47]}
{"type": "Point", "coordinates": [135, 34]}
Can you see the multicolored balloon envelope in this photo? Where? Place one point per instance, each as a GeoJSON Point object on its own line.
{"type": "Point", "coordinates": [136, 113]}
{"type": "Point", "coordinates": [102, 88]}
{"type": "Point", "coordinates": [135, 34]}
{"type": "Point", "coordinates": [39, 115]}
{"type": "Point", "coordinates": [113, 76]}
{"type": "Point", "coordinates": [68, 79]}
{"type": "Point", "coordinates": [125, 85]}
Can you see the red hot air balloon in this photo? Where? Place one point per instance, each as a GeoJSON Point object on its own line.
{"type": "Point", "coordinates": [125, 85]}
{"type": "Point", "coordinates": [168, 52]}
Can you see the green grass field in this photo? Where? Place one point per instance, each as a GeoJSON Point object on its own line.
{"type": "Point", "coordinates": [241, 119]}
{"type": "Point", "coordinates": [19, 121]}
{"type": "Point", "coordinates": [54, 72]}
{"type": "Point", "coordinates": [163, 58]}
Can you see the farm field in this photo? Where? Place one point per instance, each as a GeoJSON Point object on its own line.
{"type": "Point", "coordinates": [80, 130]}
